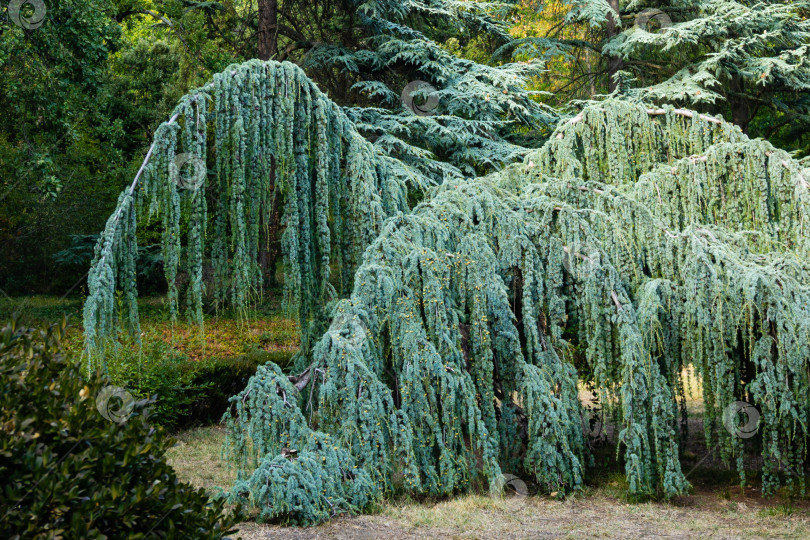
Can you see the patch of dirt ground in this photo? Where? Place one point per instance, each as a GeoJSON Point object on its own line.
{"type": "Point", "coordinates": [594, 516]}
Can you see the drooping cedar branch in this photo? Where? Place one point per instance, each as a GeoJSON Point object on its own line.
{"type": "Point", "coordinates": [260, 132]}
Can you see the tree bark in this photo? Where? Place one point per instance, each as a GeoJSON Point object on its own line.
{"type": "Point", "coordinates": [270, 245]}
{"type": "Point", "coordinates": [268, 29]}
{"type": "Point", "coordinates": [740, 105]}
{"type": "Point", "coordinates": [615, 63]}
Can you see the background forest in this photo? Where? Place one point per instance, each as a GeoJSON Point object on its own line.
{"type": "Point", "coordinates": [83, 93]}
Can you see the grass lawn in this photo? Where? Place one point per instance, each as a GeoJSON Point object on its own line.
{"type": "Point", "coordinates": [266, 328]}
{"type": "Point", "coordinates": [716, 509]}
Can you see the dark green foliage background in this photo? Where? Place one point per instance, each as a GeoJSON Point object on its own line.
{"type": "Point", "coordinates": [187, 393]}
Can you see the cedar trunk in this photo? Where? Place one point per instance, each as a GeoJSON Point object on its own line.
{"type": "Point", "coordinates": [268, 29]}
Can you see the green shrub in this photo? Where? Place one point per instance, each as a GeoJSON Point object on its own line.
{"type": "Point", "coordinates": [158, 372]}
{"type": "Point", "coordinates": [217, 379]}
{"type": "Point", "coordinates": [186, 392]}
{"type": "Point", "coordinates": [70, 472]}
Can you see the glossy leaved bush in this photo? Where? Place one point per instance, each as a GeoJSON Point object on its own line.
{"type": "Point", "coordinates": [69, 472]}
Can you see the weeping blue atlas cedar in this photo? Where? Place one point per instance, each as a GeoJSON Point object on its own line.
{"type": "Point", "coordinates": [636, 243]}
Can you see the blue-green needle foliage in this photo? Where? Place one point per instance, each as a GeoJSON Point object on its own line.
{"type": "Point", "coordinates": [746, 59]}
{"type": "Point", "coordinates": [260, 131]}
{"type": "Point", "coordinates": [635, 243]}
{"type": "Point", "coordinates": [453, 358]}
{"type": "Point", "coordinates": [723, 284]}
{"type": "Point", "coordinates": [304, 474]}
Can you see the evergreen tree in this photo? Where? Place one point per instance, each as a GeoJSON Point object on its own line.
{"type": "Point", "coordinates": [745, 60]}
{"type": "Point", "coordinates": [259, 145]}
{"type": "Point", "coordinates": [363, 55]}
{"type": "Point", "coordinates": [679, 241]}
{"type": "Point", "coordinates": [635, 242]}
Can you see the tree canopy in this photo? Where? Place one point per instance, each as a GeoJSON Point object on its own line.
{"type": "Point", "coordinates": [745, 60]}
